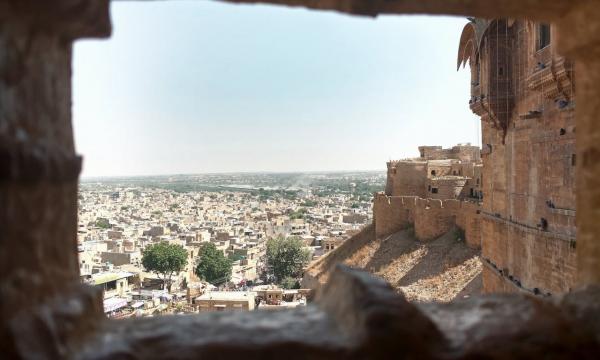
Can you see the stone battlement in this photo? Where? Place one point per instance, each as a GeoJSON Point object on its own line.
{"type": "Point", "coordinates": [431, 218]}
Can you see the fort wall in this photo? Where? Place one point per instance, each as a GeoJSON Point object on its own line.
{"type": "Point", "coordinates": [431, 218]}
{"type": "Point", "coordinates": [407, 178]}
{"type": "Point", "coordinates": [525, 96]}
{"type": "Point", "coordinates": [550, 270]}
{"type": "Point", "coordinates": [463, 152]}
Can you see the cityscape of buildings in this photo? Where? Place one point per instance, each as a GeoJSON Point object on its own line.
{"type": "Point", "coordinates": [118, 219]}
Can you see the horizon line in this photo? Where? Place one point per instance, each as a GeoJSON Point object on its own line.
{"type": "Point", "coordinates": [249, 172]}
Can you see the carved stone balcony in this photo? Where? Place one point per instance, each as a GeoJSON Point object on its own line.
{"type": "Point", "coordinates": [478, 102]}
{"type": "Point", "coordinates": [554, 80]}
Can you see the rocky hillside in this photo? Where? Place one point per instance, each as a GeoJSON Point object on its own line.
{"type": "Point", "coordinates": [440, 270]}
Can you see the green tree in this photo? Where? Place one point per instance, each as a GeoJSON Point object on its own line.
{"type": "Point", "coordinates": [290, 283]}
{"type": "Point", "coordinates": [213, 266]}
{"type": "Point", "coordinates": [103, 223]}
{"type": "Point", "coordinates": [310, 203]}
{"type": "Point", "coordinates": [298, 214]}
{"type": "Point", "coordinates": [165, 259]}
{"type": "Point", "coordinates": [287, 257]}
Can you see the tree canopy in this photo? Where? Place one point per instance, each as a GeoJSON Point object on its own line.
{"type": "Point", "coordinates": [213, 266]}
{"type": "Point", "coordinates": [287, 257]}
{"type": "Point", "coordinates": [102, 223]}
{"type": "Point", "coordinates": [165, 259]}
{"type": "Point", "coordinates": [290, 283]}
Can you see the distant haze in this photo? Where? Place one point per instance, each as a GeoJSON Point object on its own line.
{"type": "Point", "coordinates": [200, 87]}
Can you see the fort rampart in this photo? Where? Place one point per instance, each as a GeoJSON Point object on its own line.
{"type": "Point", "coordinates": [430, 218]}
{"type": "Point", "coordinates": [550, 271]}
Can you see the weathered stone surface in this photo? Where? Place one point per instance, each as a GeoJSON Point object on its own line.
{"type": "Point", "coordinates": [511, 327]}
{"type": "Point", "coordinates": [45, 315]}
{"type": "Point", "coordinates": [357, 316]}
{"type": "Point", "coordinates": [72, 19]}
{"type": "Point", "coordinates": [588, 170]}
{"type": "Point", "coordinates": [431, 217]}
{"type": "Point", "coordinates": [533, 9]}
{"type": "Point", "coordinates": [55, 329]}
{"type": "Point", "coordinates": [295, 334]}
{"type": "Point", "coordinates": [524, 92]}
{"type": "Point", "coordinates": [376, 318]}
{"type": "Point", "coordinates": [583, 305]}
{"type": "Point", "coordinates": [39, 292]}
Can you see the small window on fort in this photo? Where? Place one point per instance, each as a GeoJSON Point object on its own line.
{"type": "Point", "coordinates": [432, 172]}
{"type": "Point", "coordinates": [544, 224]}
{"type": "Point", "coordinates": [429, 188]}
{"type": "Point", "coordinates": [543, 36]}
{"type": "Point", "coordinates": [434, 190]}
{"type": "Point", "coordinates": [500, 71]}
{"type": "Point", "coordinates": [563, 132]}
{"type": "Point", "coordinates": [573, 160]}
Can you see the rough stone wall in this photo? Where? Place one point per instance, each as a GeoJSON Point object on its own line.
{"type": "Point", "coordinates": [410, 179]}
{"type": "Point", "coordinates": [465, 152]}
{"type": "Point", "coordinates": [431, 218]}
{"type": "Point", "coordinates": [528, 132]}
{"type": "Point", "coordinates": [473, 188]}
{"type": "Point", "coordinates": [417, 177]}
{"type": "Point", "coordinates": [439, 168]}
{"type": "Point", "coordinates": [499, 284]}
{"type": "Point", "coordinates": [468, 218]}
{"type": "Point", "coordinates": [392, 213]}
{"type": "Point", "coordinates": [434, 218]}
{"type": "Point", "coordinates": [550, 268]}
{"type": "Point", "coordinates": [448, 187]}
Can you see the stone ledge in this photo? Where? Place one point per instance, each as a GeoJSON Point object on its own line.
{"type": "Point", "coordinates": [519, 289]}
{"type": "Point", "coordinates": [533, 9]}
{"type": "Point", "coordinates": [515, 326]}
{"type": "Point", "coordinates": [357, 316]}
{"type": "Point", "coordinates": [530, 229]}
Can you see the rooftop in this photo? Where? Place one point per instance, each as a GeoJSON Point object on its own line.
{"type": "Point", "coordinates": [227, 295]}
{"type": "Point", "coordinates": [106, 277]}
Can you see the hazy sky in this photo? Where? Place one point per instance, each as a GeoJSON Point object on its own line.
{"type": "Point", "coordinates": [200, 86]}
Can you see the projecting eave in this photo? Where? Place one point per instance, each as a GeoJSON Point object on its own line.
{"type": "Point", "coordinates": [471, 40]}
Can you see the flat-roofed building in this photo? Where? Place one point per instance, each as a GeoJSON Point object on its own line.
{"type": "Point", "coordinates": [225, 301]}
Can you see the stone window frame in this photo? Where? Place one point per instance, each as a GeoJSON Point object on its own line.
{"type": "Point", "coordinates": [355, 315]}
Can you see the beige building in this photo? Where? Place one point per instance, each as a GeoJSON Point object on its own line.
{"type": "Point", "coordinates": [225, 301]}
{"type": "Point", "coordinates": [331, 243]}
{"type": "Point", "coordinates": [114, 284]}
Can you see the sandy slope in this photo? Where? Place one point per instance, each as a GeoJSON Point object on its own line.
{"type": "Point", "coordinates": [441, 270]}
